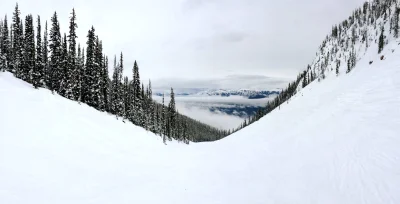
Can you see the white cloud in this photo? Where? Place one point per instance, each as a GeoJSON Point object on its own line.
{"type": "Point", "coordinates": [215, 119]}
{"type": "Point", "coordinates": [234, 82]}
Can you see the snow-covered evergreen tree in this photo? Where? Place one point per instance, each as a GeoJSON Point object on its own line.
{"type": "Point", "coordinates": [65, 70]}
{"type": "Point", "coordinates": [79, 74]}
{"type": "Point", "coordinates": [45, 58]}
{"type": "Point", "coordinates": [89, 86]}
{"type": "Point", "coordinates": [28, 51]}
{"type": "Point", "coordinates": [120, 88]}
{"type": "Point", "coordinates": [38, 70]}
{"type": "Point", "coordinates": [73, 71]}
{"type": "Point", "coordinates": [5, 47]}
{"type": "Point", "coordinates": [114, 89]}
{"type": "Point", "coordinates": [381, 42]}
{"type": "Point", "coordinates": [105, 85]}
{"type": "Point", "coordinates": [17, 43]}
{"type": "Point", "coordinates": [55, 45]}
{"type": "Point", "coordinates": [172, 115]}
{"type": "Point", "coordinates": [98, 83]}
{"type": "Point", "coordinates": [137, 96]}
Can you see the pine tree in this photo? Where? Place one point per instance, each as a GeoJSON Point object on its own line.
{"type": "Point", "coordinates": [38, 71]}
{"type": "Point", "coordinates": [396, 22]}
{"type": "Point", "coordinates": [82, 71]}
{"type": "Point", "coordinates": [337, 67]}
{"type": "Point", "coordinates": [45, 58]}
{"type": "Point", "coordinates": [98, 83]}
{"type": "Point", "coordinates": [79, 74]}
{"type": "Point", "coordinates": [304, 79]}
{"type": "Point", "coordinates": [120, 89]}
{"type": "Point", "coordinates": [114, 89]}
{"type": "Point", "coordinates": [88, 93]}
{"type": "Point", "coordinates": [73, 71]}
{"type": "Point", "coordinates": [55, 68]}
{"type": "Point", "coordinates": [137, 97]}
{"type": "Point", "coordinates": [348, 65]}
{"type": "Point", "coordinates": [5, 47]}
{"type": "Point", "coordinates": [106, 85]}
{"type": "Point", "coordinates": [172, 115]}
{"type": "Point", "coordinates": [65, 70]}
{"type": "Point", "coordinates": [29, 51]}
{"type": "Point", "coordinates": [17, 32]}
{"type": "Point", "coordinates": [142, 110]}
{"type": "Point", "coordinates": [163, 121]}
{"type": "Point", "coordinates": [354, 58]}
{"type": "Point", "coordinates": [151, 107]}
{"type": "Point", "coordinates": [125, 112]}
{"type": "Point", "coordinates": [381, 41]}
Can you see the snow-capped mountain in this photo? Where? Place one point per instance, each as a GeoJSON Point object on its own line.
{"type": "Point", "coordinates": [251, 94]}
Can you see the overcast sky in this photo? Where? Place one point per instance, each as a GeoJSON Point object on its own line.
{"type": "Point", "coordinates": [202, 38]}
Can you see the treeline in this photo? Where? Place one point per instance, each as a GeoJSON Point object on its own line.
{"type": "Point", "coordinates": [78, 73]}
{"type": "Point", "coordinates": [374, 22]}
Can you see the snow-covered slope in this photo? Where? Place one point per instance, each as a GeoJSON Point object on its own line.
{"type": "Point", "coordinates": [334, 142]}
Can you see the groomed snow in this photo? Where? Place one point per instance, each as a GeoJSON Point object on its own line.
{"type": "Point", "coordinates": [337, 141]}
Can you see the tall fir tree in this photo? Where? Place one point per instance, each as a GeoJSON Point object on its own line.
{"type": "Point", "coordinates": [106, 85]}
{"type": "Point", "coordinates": [304, 79]}
{"type": "Point", "coordinates": [55, 45]}
{"type": "Point", "coordinates": [172, 115]}
{"type": "Point", "coordinates": [114, 89]}
{"type": "Point", "coordinates": [17, 43]}
{"type": "Point", "coordinates": [396, 22]}
{"type": "Point", "coordinates": [38, 72]}
{"type": "Point", "coordinates": [73, 71]}
{"type": "Point", "coordinates": [98, 61]}
{"type": "Point", "coordinates": [78, 78]}
{"type": "Point", "coordinates": [65, 70]}
{"type": "Point", "coordinates": [137, 97]}
{"type": "Point", "coordinates": [125, 96]}
{"type": "Point", "coordinates": [381, 42]}
{"type": "Point", "coordinates": [88, 93]}
{"type": "Point", "coordinates": [82, 70]}
{"type": "Point", "coordinates": [163, 121]}
{"type": "Point", "coordinates": [119, 88]}
{"type": "Point", "coordinates": [151, 107]}
{"type": "Point", "coordinates": [337, 67]}
{"type": "Point", "coordinates": [45, 58]}
{"type": "Point", "coordinates": [5, 48]}
{"type": "Point", "coordinates": [29, 51]}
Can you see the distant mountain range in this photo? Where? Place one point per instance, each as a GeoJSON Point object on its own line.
{"type": "Point", "coordinates": [247, 93]}
{"type": "Point", "coordinates": [250, 94]}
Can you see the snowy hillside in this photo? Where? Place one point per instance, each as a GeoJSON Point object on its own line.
{"type": "Point", "coordinates": [334, 142]}
{"type": "Point", "coordinates": [368, 30]}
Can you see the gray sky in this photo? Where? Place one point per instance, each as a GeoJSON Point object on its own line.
{"type": "Point", "coordinates": [202, 38]}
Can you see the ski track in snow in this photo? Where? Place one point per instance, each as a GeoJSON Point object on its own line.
{"type": "Point", "coordinates": [338, 141]}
